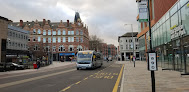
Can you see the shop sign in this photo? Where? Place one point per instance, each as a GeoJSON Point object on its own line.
{"type": "Point", "coordinates": [143, 11]}
{"type": "Point", "coordinates": [177, 32]}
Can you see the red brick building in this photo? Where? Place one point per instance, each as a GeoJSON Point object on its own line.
{"type": "Point", "coordinates": [112, 51]}
{"type": "Point", "coordinates": [104, 50]}
{"type": "Point", "coordinates": [63, 39]}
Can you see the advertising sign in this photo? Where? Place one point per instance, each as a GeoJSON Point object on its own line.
{"type": "Point", "coordinates": [152, 61]}
{"type": "Point", "coordinates": [143, 11]}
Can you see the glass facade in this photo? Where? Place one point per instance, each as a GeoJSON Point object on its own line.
{"type": "Point", "coordinates": [173, 53]}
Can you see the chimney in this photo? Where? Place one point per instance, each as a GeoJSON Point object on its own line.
{"type": "Point", "coordinates": [44, 21]}
{"type": "Point", "coordinates": [21, 23]}
{"type": "Point", "coordinates": [68, 23]}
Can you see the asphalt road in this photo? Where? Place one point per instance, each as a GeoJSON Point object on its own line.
{"type": "Point", "coordinates": [104, 79]}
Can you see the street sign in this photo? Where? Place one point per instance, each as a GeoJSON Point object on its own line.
{"type": "Point", "coordinates": [152, 61]}
{"type": "Point", "coordinates": [143, 11]}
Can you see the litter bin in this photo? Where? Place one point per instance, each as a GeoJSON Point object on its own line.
{"type": "Point", "coordinates": [35, 66]}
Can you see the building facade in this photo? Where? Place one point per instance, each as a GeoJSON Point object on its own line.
{"type": "Point", "coordinates": [17, 43]}
{"type": "Point", "coordinates": [3, 38]}
{"type": "Point", "coordinates": [112, 51]}
{"type": "Point", "coordinates": [104, 50]}
{"type": "Point", "coordinates": [170, 33]}
{"type": "Point", "coordinates": [126, 46]}
{"type": "Point", "coordinates": [62, 39]}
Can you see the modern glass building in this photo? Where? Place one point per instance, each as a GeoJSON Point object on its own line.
{"type": "Point", "coordinates": [170, 34]}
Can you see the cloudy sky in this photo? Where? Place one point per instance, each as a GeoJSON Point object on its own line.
{"type": "Point", "coordinates": [105, 18]}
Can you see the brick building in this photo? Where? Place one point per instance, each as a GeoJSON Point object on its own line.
{"type": "Point", "coordinates": [104, 50]}
{"type": "Point", "coordinates": [112, 51]}
{"type": "Point", "coordinates": [3, 37]}
{"type": "Point", "coordinates": [63, 39]}
{"type": "Point", "coordinates": [169, 34]}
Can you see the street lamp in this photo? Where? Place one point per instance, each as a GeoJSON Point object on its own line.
{"type": "Point", "coordinates": [52, 46]}
{"type": "Point", "coordinates": [132, 41]}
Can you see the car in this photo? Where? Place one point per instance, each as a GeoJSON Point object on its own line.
{"type": "Point", "coordinates": [4, 67]}
{"type": "Point", "coordinates": [14, 66]}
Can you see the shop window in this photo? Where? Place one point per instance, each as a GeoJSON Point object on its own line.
{"type": "Point", "coordinates": [174, 20]}
{"type": "Point", "coordinates": [168, 30]}
{"type": "Point", "coordinates": [185, 17]}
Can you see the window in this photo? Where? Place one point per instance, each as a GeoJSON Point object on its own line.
{"type": "Point", "coordinates": [54, 32]}
{"type": "Point", "coordinates": [54, 48]}
{"type": "Point", "coordinates": [61, 48]}
{"type": "Point", "coordinates": [71, 48]}
{"type": "Point", "coordinates": [63, 32]}
{"type": "Point", "coordinates": [54, 39]}
{"type": "Point", "coordinates": [15, 44]}
{"type": "Point", "coordinates": [49, 32]}
{"type": "Point", "coordinates": [121, 47]}
{"type": "Point", "coordinates": [185, 17]}
{"type": "Point", "coordinates": [81, 32]}
{"type": "Point", "coordinates": [44, 40]}
{"type": "Point", "coordinates": [39, 31]}
{"type": "Point", "coordinates": [174, 20]}
{"type": "Point", "coordinates": [21, 36]}
{"type": "Point", "coordinates": [130, 40]}
{"type": "Point", "coordinates": [59, 39]}
{"type": "Point", "coordinates": [34, 31]}
{"type": "Point", "coordinates": [39, 39]}
{"type": "Point", "coordinates": [153, 15]}
{"type": "Point", "coordinates": [136, 47]}
{"type": "Point", "coordinates": [81, 39]}
{"type": "Point", "coordinates": [28, 39]}
{"type": "Point", "coordinates": [16, 35]}
{"type": "Point", "coordinates": [126, 47]}
{"type": "Point", "coordinates": [64, 39]}
{"type": "Point", "coordinates": [136, 40]}
{"type": "Point", "coordinates": [35, 48]}
{"type": "Point", "coordinates": [77, 32]}
{"type": "Point", "coordinates": [77, 39]}
{"type": "Point", "coordinates": [34, 39]}
{"type": "Point", "coordinates": [49, 39]}
{"type": "Point", "coordinates": [79, 48]}
{"type": "Point", "coordinates": [13, 34]}
{"type": "Point", "coordinates": [59, 32]}
{"type": "Point", "coordinates": [24, 37]}
{"type": "Point", "coordinates": [44, 32]}
{"type": "Point", "coordinates": [10, 33]}
{"type": "Point", "coordinates": [126, 40]}
{"type": "Point", "coordinates": [12, 43]}
{"type": "Point", "coordinates": [70, 39]}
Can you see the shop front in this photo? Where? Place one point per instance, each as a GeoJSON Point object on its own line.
{"type": "Point", "coordinates": [66, 56]}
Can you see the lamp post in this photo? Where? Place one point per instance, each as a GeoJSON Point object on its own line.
{"type": "Point", "coordinates": [132, 41]}
{"type": "Point", "coordinates": [52, 46]}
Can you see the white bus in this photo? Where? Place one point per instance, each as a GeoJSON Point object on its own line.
{"type": "Point", "coordinates": [89, 59]}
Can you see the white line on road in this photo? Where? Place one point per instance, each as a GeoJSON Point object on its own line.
{"type": "Point", "coordinates": [34, 78]}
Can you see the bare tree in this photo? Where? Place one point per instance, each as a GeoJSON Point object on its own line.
{"type": "Point", "coordinates": [95, 43]}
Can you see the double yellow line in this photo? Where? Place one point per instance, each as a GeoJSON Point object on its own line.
{"type": "Point", "coordinates": [118, 80]}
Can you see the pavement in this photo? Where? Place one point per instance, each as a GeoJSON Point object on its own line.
{"type": "Point", "coordinates": [55, 64]}
{"type": "Point", "coordinates": [65, 79]}
{"type": "Point", "coordinates": [138, 79]}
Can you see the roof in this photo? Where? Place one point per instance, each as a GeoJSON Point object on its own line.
{"type": "Point", "coordinates": [129, 34]}
{"type": "Point", "coordinates": [3, 18]}
{"type": "Point", "coordinates": [17, 29]}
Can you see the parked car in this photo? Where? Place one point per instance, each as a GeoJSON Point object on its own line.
{"type": "Point", "coordinates": [4, 67]}
{"type": "Point", "coordinates": [14, 66]}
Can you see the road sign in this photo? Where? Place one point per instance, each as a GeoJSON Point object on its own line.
{"type": "Point", "coordinates": [152, 61]}
{"type": "Point", "coordinates": [143, 11]}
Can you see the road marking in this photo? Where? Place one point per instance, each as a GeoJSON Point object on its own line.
{"type": "Point", "coordinates": [32, 79]}
{"type": "Point", "coordinates": [78, 82]}
{"type": "Point", "coordinates": [118, 80]}
{"type": "Point", "coordinates": [86, 78]}
{"type": "Point", "coordinates": [66, 89]}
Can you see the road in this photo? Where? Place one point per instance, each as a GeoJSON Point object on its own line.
{"type": "Point", "coordinates": [66, 79]}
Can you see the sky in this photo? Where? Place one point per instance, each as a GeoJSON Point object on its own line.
{"type": "Point", "coordinates": [104, 18]}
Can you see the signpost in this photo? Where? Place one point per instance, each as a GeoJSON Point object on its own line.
{"type": "Point", "coordinates": [143, 11]}
{"type": "Point", "coordinates": [152, 61]}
